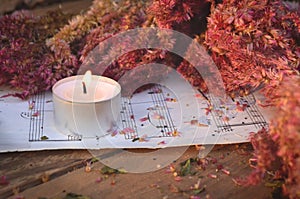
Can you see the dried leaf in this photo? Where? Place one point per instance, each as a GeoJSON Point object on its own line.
{"type": "Point", "coordinates": [186, 168]}
{"type": "Point", "coordinates": [107, 170]}
{"type": "Point", "coordinates": [44, 137]}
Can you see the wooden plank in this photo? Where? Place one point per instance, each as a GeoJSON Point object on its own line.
{"type": "Point", "coordinates": [72, 7]}
{"type": "Point", "coordinates": [68, 6]}
{"type": "Point", "coordinates": [8, 5]}
{"type": "Point", "coordinates": [25, 170]}
{"type": "Point", "coordinates": [156, 184]}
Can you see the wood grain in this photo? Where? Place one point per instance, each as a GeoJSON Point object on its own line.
{"type": "Point", "coordinates": [66, 174]}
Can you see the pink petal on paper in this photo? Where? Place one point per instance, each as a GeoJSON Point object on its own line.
{"type": "Point", "coordinates": [143, 119]}
{"type": "Point", "coordinates": [170, 100]}
{"type": "Point", "coordinates": [161, 143]}
{"type": "Point", "coordinates": [158, 116]}
{"type": "Point", "coordinates": [36, 114]}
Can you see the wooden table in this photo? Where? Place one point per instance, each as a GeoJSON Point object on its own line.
{"type": "Point", "coordinates": [53, 174]}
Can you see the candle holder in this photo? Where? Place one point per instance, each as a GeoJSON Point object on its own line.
{"type": "Point", "coordinates": [88, 114]}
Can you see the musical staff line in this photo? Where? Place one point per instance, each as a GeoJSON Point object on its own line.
{"type": "Point", "coordinates": [126, 118]}
{"type": "Point", "coordinates": [223, 126]}
{"type": "Point", "coordinates": [166, 124]}
{"type": "Point", "coordinates": [251, 110]}
{"type": "Point", "coordinates": [36, 116]}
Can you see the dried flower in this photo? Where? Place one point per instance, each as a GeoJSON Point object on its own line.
{"type": "Point", "coordinates": [45, 177]}
{"type": "Point", "coordinates": [3, 181]}
{"type": "Point", "coordinates": [127, 130]}
{"type": "Point", "coordinates": [98, 180]}
{"type": "Point", "coordinates": [195, 197]}
{"type": "Point", "coordinates": [213, 176]}
{"type": "Point", "coordinates": [24, 55]}
{"type": "Point", "coordinates": [253, 44]}
{"type": "Point", "coordinates": [178, 178]}
{"type": "Point", "coordinates": [31, 105]}
{"type": "Point", "coordinates": [225, 171]}
{"type": "Point", "coordinates": [161, 143]}
{"type": "Point", "coordinates": [179, 15]}
{"type": "Point", "coordinates": [144, 138]}
{"type": "Point", "coordinates": [277, 150]}
{"type": "Point", "coordinates": [143, 119]}
{"type": "Point", "coordinates": [170, 100]}
{"type": "Point", "coordinates": [88, 167]}
{"type": "Point", "coordinates": [157, 116]}
{"type": "Point", "coordinates": [35, 114]}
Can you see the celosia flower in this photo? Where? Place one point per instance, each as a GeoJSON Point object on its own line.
{"type": "Point", "coordinates": [254, 43]}
{"type": "Point", "coordinates": [278, 150]}
{"type": "Point", "coordinates": [23, 52]}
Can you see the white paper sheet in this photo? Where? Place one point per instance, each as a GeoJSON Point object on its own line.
{"type": "Point", "coordinates": [166, 115]}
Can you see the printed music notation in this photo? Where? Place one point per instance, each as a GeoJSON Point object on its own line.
{"type": "Point", "coordinates": [154, 118]}
{"type": "Point", "coordinates": [238, 112]}
{"type": "Point", "coordinates": [36, 116]}
{"type": "Point", "coordinates": [154, 115]}
{"type": "Point", "coordinates": [157, 116]}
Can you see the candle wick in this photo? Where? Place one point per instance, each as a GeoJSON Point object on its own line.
{"type": "Point", "coordinates": [84, 88]}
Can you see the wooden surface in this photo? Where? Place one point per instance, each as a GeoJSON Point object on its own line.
{"type": "Point", "coordinates": [74, 7]}
{"type": "Point", "coordinates": [41, 6]}
{"type": "Point", "coordinates": [63, 171]}
{"type": "Point", "coordinates": [53, 174]}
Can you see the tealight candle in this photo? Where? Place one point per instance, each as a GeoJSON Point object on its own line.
{"type": "Point", "coordinates": [86, 105]}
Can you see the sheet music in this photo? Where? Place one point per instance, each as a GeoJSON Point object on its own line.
{"type": "Point", "coordinates": [154, 118]}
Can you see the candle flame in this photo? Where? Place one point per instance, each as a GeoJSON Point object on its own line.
{"type": "Point", "coordinates": [86, 80]}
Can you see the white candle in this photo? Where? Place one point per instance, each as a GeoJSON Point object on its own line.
{"type": "Point", "coordinates": [88, 114]}
{"type": "Point", "coordinates": [70, 89]}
